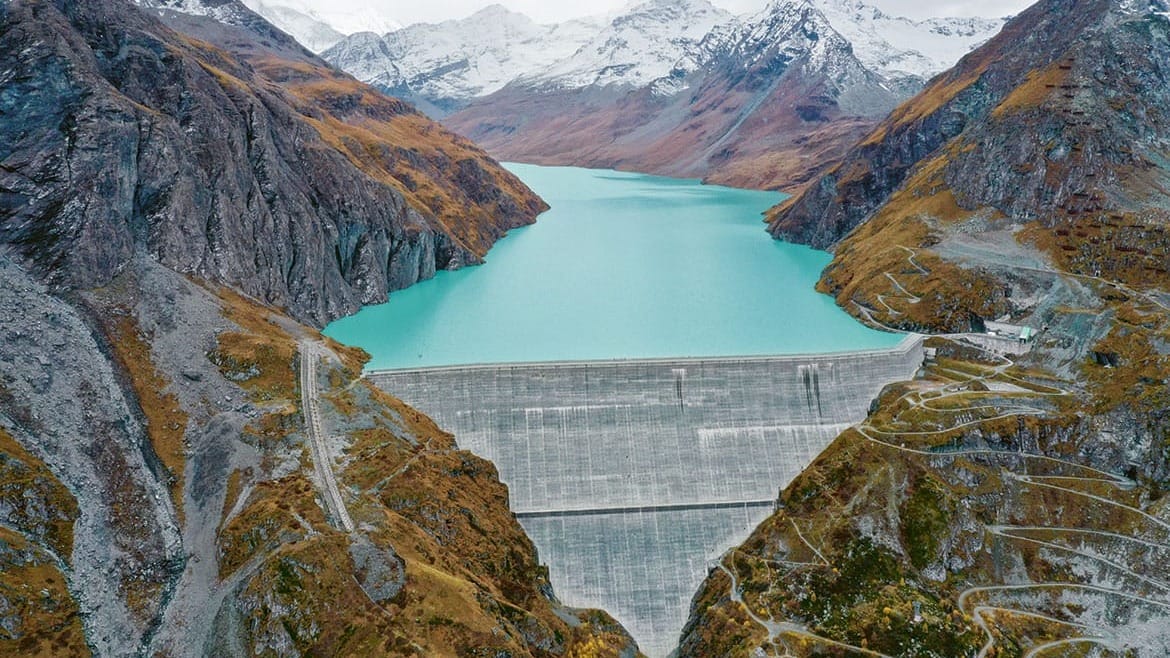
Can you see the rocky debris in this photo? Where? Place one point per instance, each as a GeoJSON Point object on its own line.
{"type": "Point", "coordinates": [65, 404]}
{"type": "Point", "coordinates": [379, 570]}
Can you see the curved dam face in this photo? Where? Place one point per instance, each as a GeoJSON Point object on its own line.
{"type": "Point", "coordinates": [632, 477]}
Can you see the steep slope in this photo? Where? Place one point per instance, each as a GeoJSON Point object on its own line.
{"type": "Point", "coordinates": [174, 453]}
{"type": "Point", "coordinates": [1011, 499]}
{"type": "Point", "coordinates": [763, 102]}
{"type": "Point", "coordinates": [1057, 136]}
{"type": "Point", "coordinates": [440, 67]}
{"type": "Point", "coordinates": [961, 97]}
{"type": "Point", "coordinates": [317, 193]}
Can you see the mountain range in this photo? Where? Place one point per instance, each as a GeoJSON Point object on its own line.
{"type": "Point", "coordinates": [670, 87]}
{"type": "Point", "coordinates": [187, 195]}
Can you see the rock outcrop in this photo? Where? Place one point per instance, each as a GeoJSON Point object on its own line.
{"type": "Point", "coordinates": [247, 162]}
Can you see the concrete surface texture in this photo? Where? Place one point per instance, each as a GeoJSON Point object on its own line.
{"type": "Point", "coordinates": [632, 476]}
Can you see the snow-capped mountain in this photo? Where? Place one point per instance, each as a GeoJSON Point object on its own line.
{"type": "Point", "coordinates": [635, 48]}
{"type": "Point", "coordinates": [318, 26]}
{"type": "Point", "coordinates": [764, 101]}
{"type": "Point", "coordinates": [441, 65]}
{"type": "Point", "coordinates": [670, 86]}
{"type": "Point", "coordinates": [444, 66]}
{"type": "Point", "coordinates": [897, 47]}
{"type": "Point", "coordinates": [784, 33]}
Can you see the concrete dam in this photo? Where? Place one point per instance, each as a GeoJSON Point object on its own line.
{"type": "Point", "coordinates": [632, 477]}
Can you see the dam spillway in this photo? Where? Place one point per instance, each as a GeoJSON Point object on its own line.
{"type": "Point", "coordinates": [631, 477]}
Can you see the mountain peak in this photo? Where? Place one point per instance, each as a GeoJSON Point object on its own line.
{"type": "Point", "coordinates": [499, 12]}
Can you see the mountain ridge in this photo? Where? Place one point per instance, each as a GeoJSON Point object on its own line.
{"type": "Point", "coordinates": [766, 101]}
{"type": "Point", "coordinates": [620, 89]}
{"type": "Point", "coordinates": [1018, 210]}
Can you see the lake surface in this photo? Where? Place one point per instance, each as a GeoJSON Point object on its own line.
{"type": "Point", "coordinates": [623, 266]}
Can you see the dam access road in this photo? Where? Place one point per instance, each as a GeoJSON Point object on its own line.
{"type": "Point", "coordinates": [631, 477]}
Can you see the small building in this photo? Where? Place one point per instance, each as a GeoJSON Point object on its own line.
{"type": "Point", "coordinates": [1023, 334]}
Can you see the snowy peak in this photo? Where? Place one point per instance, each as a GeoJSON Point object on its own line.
{"type": "Point", "coordinates": [898, 47]}
{"type": "Point", "coordinates": [635, 48]}
{"type": "Point", "coordinates": [654, 43]}
{"type": "Point", "coordinates": [312, 32]}
{"type": "Point", "coordinates": [790, 41]}
{"type": "Point", "coordinates": [439, 65]}
{"type": "Point", "coordinates": [788, 30]}
{"type": "Point", "coordinates": [320, 25]}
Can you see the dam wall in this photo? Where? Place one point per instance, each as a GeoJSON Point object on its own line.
{"type": "Point", "coordinates": [632, 476]}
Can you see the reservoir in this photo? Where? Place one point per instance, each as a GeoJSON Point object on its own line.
{"type": "Point", "coordinates": [654, 368]}
{"type": "Point", "coordinates": [623, 266]}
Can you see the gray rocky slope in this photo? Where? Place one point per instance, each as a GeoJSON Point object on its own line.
{"type": "Point", "coordinates": [124, 137]}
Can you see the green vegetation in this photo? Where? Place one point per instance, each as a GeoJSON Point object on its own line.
{"type": "Point", "coordinates": [925, 521]}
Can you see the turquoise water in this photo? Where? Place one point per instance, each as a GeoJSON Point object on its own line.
{"type": "Point", "coordinates": [623, 266]}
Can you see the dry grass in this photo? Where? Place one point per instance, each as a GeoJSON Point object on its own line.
{"type": "Point", "coordinates": [235, 485]}
{"type": "Point", "coordinates": [48, 623]}
{"type": "Point", "coordinates": [271, 517]}
{"type": "Point", "coordinates": [306, 590]}
{"type": "Point", "coordinates": [1132, 248]}
{"type": "Point", "coordinates": [1033, 91]}
{"type": "Point", "coordinates": [949, 295]}
{"type": "Point", "coordinates": [23, 479]}
{"type": "Point", "coordinates": [166, 421]}
{"type": "Point", "coordinates": [261, 358]}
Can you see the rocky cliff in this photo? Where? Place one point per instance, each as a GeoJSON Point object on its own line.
{"type": "Point", "coordinates": [1058, 71]}
{"type": "Point", "coordinates": [179, 204]}
{"type": "Point", "coordinates": [235, 156]}
{"type": "Point", "coordinates": [1011, 499]}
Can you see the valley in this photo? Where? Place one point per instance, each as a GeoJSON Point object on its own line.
{"type": "Point", "coordinates": [290, 366]}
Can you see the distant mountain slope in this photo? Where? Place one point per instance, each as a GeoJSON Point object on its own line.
{"type": "Point", "coordinates": [897, 47]}
{"type": "Point", "coordinates": [633, 50]}
{"type": "Point", "coordinates": [604, 92]}
{"type": "Point", "coordinates": [319, 25]}
{"type": "Point", "coordinates": [317, 193]}
{"type": "Point", "coordinates": [439, 67]}
{"type": "Point", "coordinates": [310, 31]}
{"type": "Point", "coordinates": [763, 101]}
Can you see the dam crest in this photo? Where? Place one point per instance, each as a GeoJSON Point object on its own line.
{"type": "Point", "coordinates": [633, 476]}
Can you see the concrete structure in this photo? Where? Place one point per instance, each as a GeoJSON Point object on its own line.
{"type": "Point", "coordinates": [631, 476]}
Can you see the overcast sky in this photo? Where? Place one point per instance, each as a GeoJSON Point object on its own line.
{"type": "Point", "coordinates": [413, 11]}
